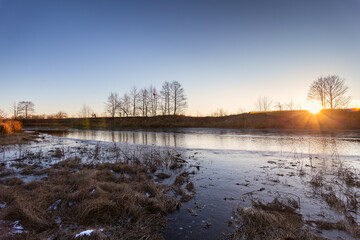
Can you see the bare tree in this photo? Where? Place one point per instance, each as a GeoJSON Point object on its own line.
{"type": "Point", "coordinates": [85, 111]}
{"type": "Point", "coordinates": [165, 98]}
{"type": "Point", "coordinates": [60, 114]}
{"type": "Point", "coordinates": [317, 91]}
{"type": "Point", "coordinates": [145, 102]}
{"type": "Point", "coordinates": [290, 105]}
{"type": "Point", "coordinates": [154, 100]}
{"type": "Point", "coordinates": [134, 96]}
{"type": "Point", "coordinates": [177, 97]}
{"type": "Point", "coordinates": [330, 91]}
{"type": "Point", "coordinates": [125, 105]}
{"type": "Point", "coordinates": [263, 104]}
{"type": "Point", "coordinates": [220, 112]}
{"type": "Point", "coordinates": [112, 104]}
{"type": "Point", "coordinates": [279, 106]}
{"type": "Point", "coordinates": [13, 108]}
{"type": "Point", "coordinates": [335, 92]}
{"type": "Point", "coordinates": [25, 108]}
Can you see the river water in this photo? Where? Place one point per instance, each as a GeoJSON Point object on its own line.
{"type": "Point", "coordinates": [236, 162]}
{"type": "Point", "coordinates": [345, 143]}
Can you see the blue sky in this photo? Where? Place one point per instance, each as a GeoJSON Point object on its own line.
{"type": "Point", "coordinates": [62, 54]}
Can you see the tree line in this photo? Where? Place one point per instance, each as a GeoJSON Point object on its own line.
{"type": "Point", "coordinates": [170, 100]}
{"type": "Point", "coordinates": [329, 91]}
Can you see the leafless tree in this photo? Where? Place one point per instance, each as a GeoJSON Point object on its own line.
{"type": "Point", "coordinates": [61, 114]}
{"type": "Point", "coordinates": [134, 96]}
{"type": "Point", "coordinates": [144, 101]}
{"type": "Point", "coordinates": [219, 113]}
{"type": "Point", "coordinates": [165, 98]}
{"type": "Point", "coordinates": [336, 92]}
{"type": "Point", "coordinates": [154, 100]}
{"type": "Point", "coordinates": [317, 91]}
{"type": "Point", "coordinates": [13, 108]}
{"type": "Point", "coordinates": [125, 105]}
{"type": "Point", "coordinates": [85, 111]}
{"type": "Point", "coordinates": [25, 108]}
{"type": "Point", "coordinates": [263, 104]}
{"type": "Point", "coordinates": [290, 105]}
{"type": "Point", "coordinates": [177, 97]}
{"type": "Point", "coordinates": [279, 106]}
{"type": "Point", "coordinates": [330, 91]}
{"type": "Point", "coordinates": [112, 104]}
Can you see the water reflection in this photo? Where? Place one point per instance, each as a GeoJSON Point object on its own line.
{"type": "Point", "coordinates": [343, 143]}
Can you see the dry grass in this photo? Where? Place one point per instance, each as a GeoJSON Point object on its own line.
{"type": "Point", "coordinates": [10, 126]}
{"type": "Point", "coordinates": [275, 220]}
{"type": "Point", "coordinates": [120, 198]}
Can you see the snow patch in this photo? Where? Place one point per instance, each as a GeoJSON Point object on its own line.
{"type": "Point", "coordinates": [85, 233]}
{"type": "Point", "coordinates": [54, 206]}
{"type": "Point", "coordinates": [2, 205]}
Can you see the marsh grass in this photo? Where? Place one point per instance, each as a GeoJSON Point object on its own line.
{"type": "Point", "coordinates": [120, 197]}
{"type": "Point", "coordinates": [275, 220]}
{"type": "Point", "coordinates": [10, 126]}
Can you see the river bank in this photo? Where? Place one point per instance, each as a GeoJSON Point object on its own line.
{"type": "Point", "coordinates": [304, 120]}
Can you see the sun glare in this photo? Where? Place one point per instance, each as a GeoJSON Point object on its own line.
{"type": "Point", "coordinates": [314, 108]}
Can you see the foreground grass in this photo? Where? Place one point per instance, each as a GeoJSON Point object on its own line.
{"type": "Point", "coordinates": [118, 200]}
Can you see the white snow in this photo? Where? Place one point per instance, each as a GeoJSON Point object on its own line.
{"type": "Point", "coordinates": [54, 206]}
{"type": "Point", "coordinates": [85, 233]}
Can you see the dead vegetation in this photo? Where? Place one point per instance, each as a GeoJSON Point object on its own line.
{"type": "Point", "coordinates": [275, 220]}
{"type": "Point", "coordinates": [9, 126]}
{"type": "Point", "coordinates": [118, 200]}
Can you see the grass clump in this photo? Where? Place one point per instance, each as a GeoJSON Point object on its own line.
{"type": "Point", "coordinates": [78, 196]}
{"type": "Point", "coordinates": [275, 220]}
{"type": "Point", "coordinates": [10, 126]}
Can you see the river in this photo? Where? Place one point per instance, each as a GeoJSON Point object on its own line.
{"type": "Point", "coordinates": [234, 163]}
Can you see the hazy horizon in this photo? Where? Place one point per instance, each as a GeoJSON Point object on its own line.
{"type": "Point", "coordinates": [63, 54]}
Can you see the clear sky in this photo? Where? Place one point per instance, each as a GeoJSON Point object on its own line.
{"type": "Point", "coordinates": [62, 54]}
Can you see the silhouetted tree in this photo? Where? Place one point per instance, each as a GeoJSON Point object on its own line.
{"type": "Point", "coordinates": [279, 106]}
{"type": "Point", "coordinates": [263, 104]}
{"type": "Point", "coordinates": [165, 98]}
{"type": "Point", "coordinates": [317, 91]}
{"type": "Point", "coordinates": [134, 96]}
{"type": "Point", "coordinates": [13, 108]}
{"type": "Point", "coordinates": [85, 111]}
{"type": "Point", "coordinates": [125, 105]}
{"type": "Point", "coordinates": [154, 100]}
{"type": "Point", "coordinates": [335, 92]}
{"type": "Point", "coordinates": [144, 101]}
{"type": "Point", "coordinates": [290, 105]}
{"type": "Point", "coordinates": [112, 104]}
{"type": "Point", "coordinates": [61, 114]}
{"type": "Point", "coordinates": [177, 97]}
{"type": "Point", "coordinates": [219, 113]}
{"type": "Point", "coordinates": [329, 91]}
{"type": "Point", "coordinates": [25, 108]}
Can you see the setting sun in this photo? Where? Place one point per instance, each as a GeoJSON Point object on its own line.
{"type": "Point", "coordinates": [314, 108]}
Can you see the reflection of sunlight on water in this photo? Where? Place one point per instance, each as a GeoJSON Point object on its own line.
{"type": "Point", "coordinates": [266, 141]}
